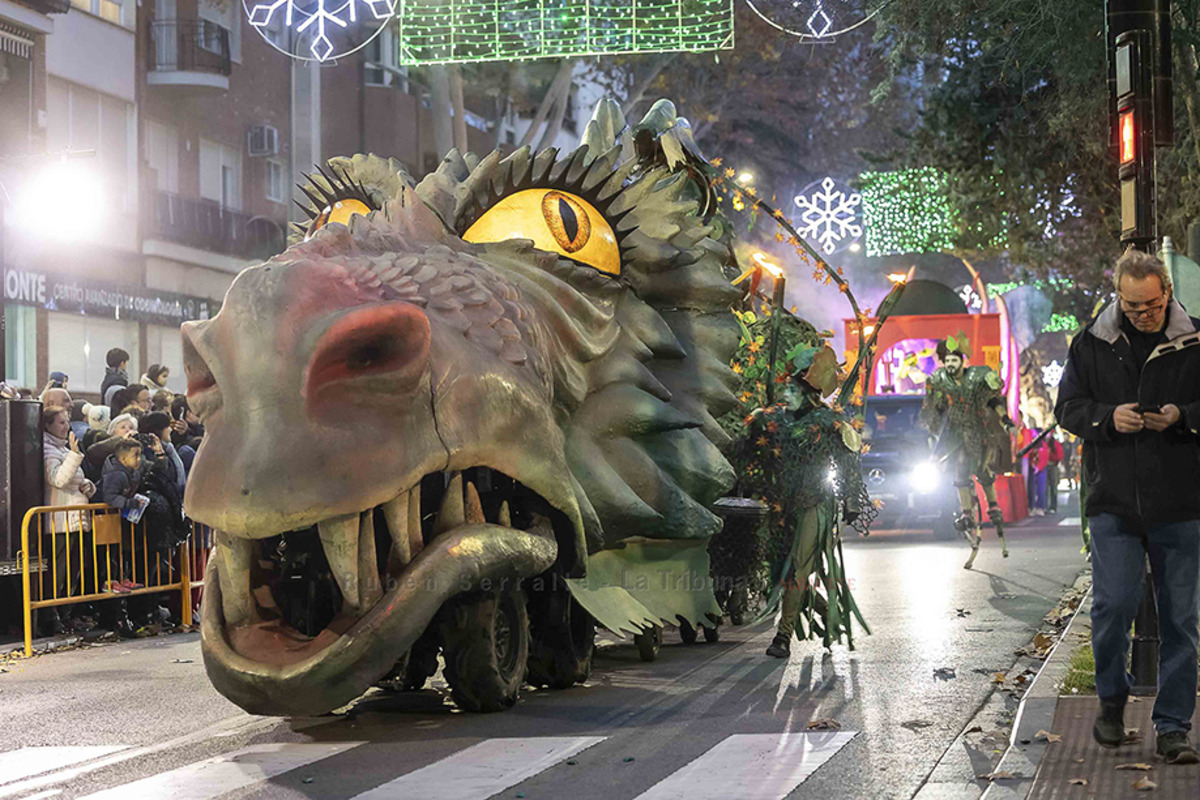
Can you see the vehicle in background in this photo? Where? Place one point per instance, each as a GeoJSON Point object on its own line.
{"type": "Point", "coordinates": [916, 490]}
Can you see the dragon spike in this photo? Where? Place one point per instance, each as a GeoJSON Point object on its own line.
{"type": "Point", "coordinates": [603, 130]}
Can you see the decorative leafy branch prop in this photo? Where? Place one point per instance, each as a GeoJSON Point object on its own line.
{"type": "Point", "coordinates": [866, 346]}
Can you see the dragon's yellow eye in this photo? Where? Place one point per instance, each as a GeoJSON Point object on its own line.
{"type": "Point", "coordinates": [341, 211]}
{"type": "Point", "coordinates": [554, 221]}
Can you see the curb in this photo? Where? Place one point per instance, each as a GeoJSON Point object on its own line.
{"type": "Point", "coordinates": [1023, 757]}
{"type": "Point", "coordinates": [954, 776]}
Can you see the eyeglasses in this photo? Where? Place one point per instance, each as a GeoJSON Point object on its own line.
{"type": "Point", "coordinates": [1142, 309]}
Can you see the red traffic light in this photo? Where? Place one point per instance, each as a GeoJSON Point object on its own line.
{"type": "Point", "coordinates": [1128, 146]}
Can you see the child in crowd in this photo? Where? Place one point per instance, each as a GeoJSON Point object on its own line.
{"type": "Point", "coordinates": [119, 488]}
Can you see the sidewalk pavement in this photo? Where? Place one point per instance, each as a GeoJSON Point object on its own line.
{"type": "Point", "coordinates": [1053, 757]}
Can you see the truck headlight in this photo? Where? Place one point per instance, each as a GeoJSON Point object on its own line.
{"type": "Point", "coordinates": [925, 477]}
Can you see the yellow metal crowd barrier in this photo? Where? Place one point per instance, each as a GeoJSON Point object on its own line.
{"type": "Point", "coordinates": [78, 554]}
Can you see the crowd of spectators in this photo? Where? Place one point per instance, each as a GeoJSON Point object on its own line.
{"type": "Point", "coordinates": [132, 451]}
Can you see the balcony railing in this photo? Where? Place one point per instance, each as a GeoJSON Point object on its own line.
{"type": "Point", "coordinates": [206, 225]}
{"type": "Point", "coordinates": [194, 45]}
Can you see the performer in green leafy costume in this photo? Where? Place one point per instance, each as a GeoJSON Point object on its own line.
{"type": "Point", "coordinates": [965, 414]}
{"type": "Point", "coordinates": [806, 454]}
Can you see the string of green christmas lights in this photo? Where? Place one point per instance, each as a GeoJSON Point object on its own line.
{"type": "Point", "coordinates": [909, 211]}
{"type": "Point", "coordinates": [463, 31]}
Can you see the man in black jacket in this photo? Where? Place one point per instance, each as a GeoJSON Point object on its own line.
{"type": "Point", "coordinates": [1131, 391]}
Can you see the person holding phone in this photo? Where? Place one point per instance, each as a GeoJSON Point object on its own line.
{"type": "Point", "coordinates": [1131, 392]}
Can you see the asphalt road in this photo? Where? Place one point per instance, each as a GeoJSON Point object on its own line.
{"type": "Point", "coordinates": [631, 727]}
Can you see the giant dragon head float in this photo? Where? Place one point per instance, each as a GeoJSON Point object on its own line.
{"type": "Point", "coordinates": [498, 372]}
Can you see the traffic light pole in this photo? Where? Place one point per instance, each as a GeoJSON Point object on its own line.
{"type": "Point", "coordinates": [1138, 36]}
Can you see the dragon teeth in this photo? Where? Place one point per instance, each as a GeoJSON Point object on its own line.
{"type": "Point", "coordinates": [452, 513]}
{"type": "Point", "coordinates": [340, 539]}
{"type": "Point", "coordinates": [369, 589]}
{"type": "Point", "coordinates": [236, 558]}
{"type": "Point", "coordinates": [403, 515]}
{"type": "Point", "coordinates": [505, 518]}
{"type": "Point", "coordinates": [396, 513]}
{"type": "Point", "coordinates": [416, 541]}
{"type": "Point", "coordinates": [473, 507]}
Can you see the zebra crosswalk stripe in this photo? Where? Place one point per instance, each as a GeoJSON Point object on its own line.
{"type": "Point", "coordinates": [751, 767]}
{"type": "Point", "coordinates": [216, 776]}
{"type": "Point", "coordinates": [16, 765]}
{"type": "Point", "coordinates": [483, 769]}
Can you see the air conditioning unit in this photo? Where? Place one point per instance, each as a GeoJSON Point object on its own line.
{"type": "Point", "coordinates": [262, 140]}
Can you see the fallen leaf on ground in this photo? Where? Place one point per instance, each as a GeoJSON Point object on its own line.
{"type": "Point", "coordinates": [962, 612]}
{"type": "Point", "coordinates": [1048, 736]}
{"type": "Point", "coordinates": [997, 776]}
{"type": "Point", "coordinates": [1145, 785]}
{"type": "Point", "coordinates": [916, 724]}
{"type": "Point", "coordinates": [999, 677]}
{"type": "Point", "coordinates": [1042, 642]}
{"type": "Point", "coordinates": [1078, 781]}
{"type": "Point", "coordinates": [1080, 760]}
{"type": "Point", "coordinates": [824, 724]}
{"type": "Point", "coordinates": [945, 673]}
{"type": "Point", "coordinates": [976, 729]}
{"type": "Point", "coordinates": [1138, 766]}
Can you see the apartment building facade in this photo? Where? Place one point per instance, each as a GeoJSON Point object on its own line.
{"type": "Point", "coordinates": [188, 132]}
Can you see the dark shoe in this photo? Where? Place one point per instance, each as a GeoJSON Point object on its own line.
{"type": "Point", "coordinates": [1173, 747]}
{"type": "Point", "coordinates": [780, 647]}
{"type": "Point", "coordinates": [1109, 730]}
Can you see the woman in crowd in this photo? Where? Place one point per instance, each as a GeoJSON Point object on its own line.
{"type": "Point", "coordinates": [66, 485]}
{"type": "Point", "coordinates": [121, 427]}
{"type": "Point", "coordinates": [156, 377]}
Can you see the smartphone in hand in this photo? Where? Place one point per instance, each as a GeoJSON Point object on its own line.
{"type": "Point", "coordinates": [1149, 409]}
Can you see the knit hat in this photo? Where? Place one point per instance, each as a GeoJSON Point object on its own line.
{"type": "Point", "coordinates": [117, 420]}
{"type": "Point", "coordinates": [97, 416]}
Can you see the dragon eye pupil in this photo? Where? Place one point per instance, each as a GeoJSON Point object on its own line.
{"type": "Point", "coordinates": [569, 221]}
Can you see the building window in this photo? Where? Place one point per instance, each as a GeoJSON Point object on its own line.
{"type": "Point", "coordinates": [221, 174]}
{"type": "Point", "coordinates": [162, 152]}
{"type": "Point", "coordinates": [228, 15]}
{"type": "Point", "coordinates": [78, 118]}
{"type": "Point", "coordinates": [111, 10]}
{"type": "Point", "coordinates": [77, 345]}
{"type": "Point", "coordinates": [383, 67]}
{"type": "Point", "coordinates": [276, 181]}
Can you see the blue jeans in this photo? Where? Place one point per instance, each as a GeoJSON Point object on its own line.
{"type": "Point", "coordinates": [1118, 568]}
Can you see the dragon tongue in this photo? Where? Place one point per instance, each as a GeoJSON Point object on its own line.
{"type": "Point", "coordinates": [340, 539]}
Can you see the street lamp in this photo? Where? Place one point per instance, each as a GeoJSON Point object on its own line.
{"type": "Point", "coordinates": [59, 194]}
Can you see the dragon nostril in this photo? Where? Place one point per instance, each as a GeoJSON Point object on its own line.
{"type": "Point", "coordinates": [388, 341]}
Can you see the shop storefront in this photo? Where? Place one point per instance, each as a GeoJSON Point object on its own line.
{"type": "Point", "coordinates": [67, 324]}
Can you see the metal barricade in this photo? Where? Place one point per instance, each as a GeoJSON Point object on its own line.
{"type": "Point", "coordinates": [80, 553]}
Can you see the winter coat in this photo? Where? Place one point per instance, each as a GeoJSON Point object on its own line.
{"type": "Point", "coordinates": [64, 478]}
{"type": "Point", "coordinates": [119, 483]}
{"type": "Point", "coordinates": [176, 472]}
{"type": "Point", "coordinates": [164, 519]}
{"type": "Point", "coordinates": [1149, 477]}
{"type": "Point", "coordinates": [97, 455]}
{"type": "Point", "coordinates": [113, 379]}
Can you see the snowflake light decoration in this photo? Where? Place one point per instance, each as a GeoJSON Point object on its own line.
{"type": "Point", "coordinates": [815, 20]}
{"type": "Point", "coordinates": [318, 29]}
{"type": "Point", "coordinates": [829, 215]}
{"type": "Point", "coordinates": [1052, 373]}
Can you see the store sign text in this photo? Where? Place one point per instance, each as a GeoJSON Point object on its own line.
{"type": "Point", "coordinates": [56, 293]}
